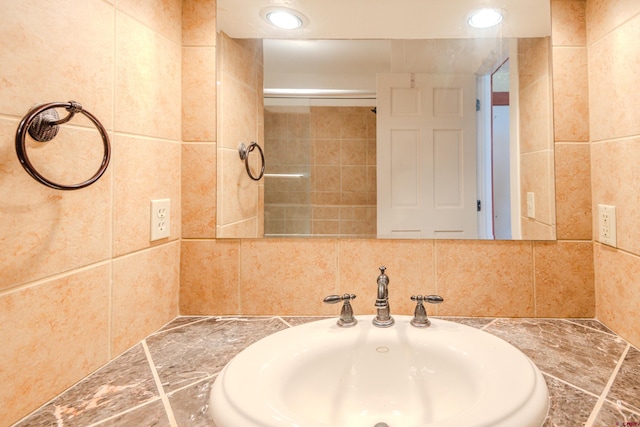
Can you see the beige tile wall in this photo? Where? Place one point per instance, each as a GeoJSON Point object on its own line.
{"type": "Point", "coordinates": [54, 332]}
{"type": "Point", "coordinates": [199, 119]}
{"type": "Point", "coordinates": [476, 278]}
{"type": "Point", "coordinates": [80, 281]}
{"type": "Point", "coordinates": [571, 120]}
{"type": "Point", "coordinates": [614, 57]}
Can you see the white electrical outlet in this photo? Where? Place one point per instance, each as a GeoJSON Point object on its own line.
{"type": "Point", "coordinates": [607, 225]}
{"type": "Point", "coordinates": [160, 218]}
{"type": "Point", "coordinates": [531, 205]}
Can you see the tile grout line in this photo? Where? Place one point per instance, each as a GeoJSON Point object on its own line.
{"type": "Point", "coordinates": [240, 275]}
{"type": "Point", "coordinates": [435, 272]}
{"type": "Point", "coordinates": [112, 183]}
{"type": "Point", "coordinates": [284, 321]}
{"type": "Point", "coordinates": [603, 396]}
{"type": "Point", "coordinates": [173, 328]}
{"type": "Point", "coordinates": [124, 412]}
{"type": "Point", "coordinates": [338, 279]}
{"type": "Point", "coordinates": [489, 324]}
{"type": "Point", "coordinates": [612, 334]}
{"type": "Point", "coordinates": [61, 275]}
{"type": "Point", "coordinates": [567, 383]}
{"type": "Point", "coordinates": [184, 387]}
{"type": "Point", "coordinates": [156, 379]}
{"type": "Point", "coordinates": [533, 279]}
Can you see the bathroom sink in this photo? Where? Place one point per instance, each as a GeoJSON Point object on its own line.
{"type": "Point", "coordinates": [318, 374]}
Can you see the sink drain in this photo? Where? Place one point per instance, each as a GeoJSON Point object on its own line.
{"type": "Point", "coordinates": [381, 425]}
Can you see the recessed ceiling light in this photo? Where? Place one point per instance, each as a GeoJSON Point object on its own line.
{"type": "Point", "coordinates": [284, 18]}
{"type": "Point", "coordinates": [485, 18]}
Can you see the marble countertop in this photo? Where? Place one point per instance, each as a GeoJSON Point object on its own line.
{"type": "Point", "coordinates": [593, 375]}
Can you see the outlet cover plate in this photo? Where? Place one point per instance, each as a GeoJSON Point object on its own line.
{"type": "Point", "coordinates": [607, 225]}
{"type": "Point", "coordinates": [531, 205]}
{"type": "Point", "coordinates": [160, 219]}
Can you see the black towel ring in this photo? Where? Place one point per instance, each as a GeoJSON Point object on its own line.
{"type": "Point", "coordinates": [43, 123]}
{"type": "Point", "coordinates": [244, 151]}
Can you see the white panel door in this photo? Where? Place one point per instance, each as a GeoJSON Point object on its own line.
{"type": "Point", "coordinates": [426, 130]}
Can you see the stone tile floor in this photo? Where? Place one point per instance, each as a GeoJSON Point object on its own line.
{"type": "Point", "coordinates": [593, 375]}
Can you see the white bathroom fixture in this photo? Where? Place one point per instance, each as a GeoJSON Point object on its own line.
{"type": "Point", "coordinates": [284, 18]}
{"type": "Point", "coordinates": [485, 18]}
{"type": "Point", "coordinates": [319, 374]}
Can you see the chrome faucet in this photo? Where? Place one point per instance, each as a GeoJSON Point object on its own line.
{"type": "Point", "coordinates": [383, 319]}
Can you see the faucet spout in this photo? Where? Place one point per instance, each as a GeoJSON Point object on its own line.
{"type": "Point", "coordinates": [382, 294]}
{"type": "Point", "coordinates": [383, 317]}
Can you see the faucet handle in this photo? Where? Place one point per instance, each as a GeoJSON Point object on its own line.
{"type": "Point", "coordinates": [346, 313]}
{"type": "Point", "coordinates": [334, 299]}
{"type": "Point", "coordinates": [420, 319]}
{"type": "Point", "coordinates": [433, 299]}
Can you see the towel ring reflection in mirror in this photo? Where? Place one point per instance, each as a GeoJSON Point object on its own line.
{"type": "Point", "coordinates": [244, 152]}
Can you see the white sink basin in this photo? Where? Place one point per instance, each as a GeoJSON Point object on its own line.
{"type": "Point", "coordinates": [318, 374]}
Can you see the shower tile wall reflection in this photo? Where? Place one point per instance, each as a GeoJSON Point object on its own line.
{"type": "Point", "coordinates": [321, 171]}
{"type": "Point", "coordinates": [287, 199]}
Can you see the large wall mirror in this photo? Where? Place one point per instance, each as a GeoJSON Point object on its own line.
{"type": "Point", "coordinates": [393, 120]}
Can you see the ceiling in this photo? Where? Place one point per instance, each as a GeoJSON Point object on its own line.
{"type": "Point", "coordinates": [385, 19]}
